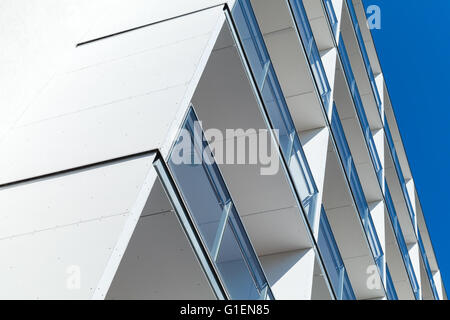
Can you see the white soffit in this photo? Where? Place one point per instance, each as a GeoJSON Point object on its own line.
{"type": "Point", "coordinates": [118, 96]}
{"type": "Point", "coordinates": [63, 237]}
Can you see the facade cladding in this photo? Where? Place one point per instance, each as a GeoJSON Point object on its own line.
{"type": "Point", "coordinates": [208, 150]}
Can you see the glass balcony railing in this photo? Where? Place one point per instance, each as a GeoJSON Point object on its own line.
{"type": "Point", "coordinates": [391, 293]}
{"type": "Point", "coordinates": [275, 106]}
{"type": "Point", "coordinates": [331, 16]}
{"type": "Point", "coordinates": [215, 216]}
{"type": "Point", "coordinates": [355, 186]}
{"type": "Point", "coordinates": [401, 243]}
{"type": "Point", "coordinates": [353, 88]}
{"type": "Point", "coordinates": [360, 110]}
{"type": "Point", "coordinates": [364, 54]}
{"type": "Point", "coordinates": [312, 53]}
{"type": "Point", "coordinates": [399, 171]}
{"type": "Point", "coordinates": [379, 104]}
{"type": "Point", "coordinates": [428, 268]}
{"type": "Point", "coordinates": [333, 260]}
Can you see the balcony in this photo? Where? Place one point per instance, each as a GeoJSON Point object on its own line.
{"type": "Point", "coordinates": [324, 90]}
{"type": "Point", "coordinates": [399, 171]}
{"type": "Point", "coordinates": [312, 53]}
{"type": "Point", "coordinates": [275, 105]}
{"type": "Point", "coordinates": [364, 54]}
{"type": "Point", "coordinates": [351, 81]}
{"type": "Point", "coordinates": [355, 185]}
{"type": "Point", "coordinates": [401, 243]}
{"type": "Point", "coordinates": [216, 218]}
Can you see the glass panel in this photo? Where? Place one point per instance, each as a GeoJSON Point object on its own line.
{"type": "Point", "coordinates": [332, 260]}
{"type": "Point", "coordinates": [275, 104]}
{"type": "Point", "coordinates": [312, 52]}
{"type": "Point", "coordinates": [331, 16]}
{"type": "Point", "coordinates": [401, 242]}
{"type": "Point", "coordinates": [428, 268]}
{"type": "Point", "coordinates": [213, 212]}
{"type": "Point", "coordinates": [399, 171]}
{"type": "Point", "coordinates": [360, 111]}
{"type": "Point", "coordinates": [391, 293]}
{"type": "Point", "coordinates": [205, 202]}
{"type": "Point", "coordinates": [364, 54]}
{"type": "Point", "coordinates": [251, 39]}
{"type": "Point", "coordinates": [355, 185]}
{"type": "Point", "coordinates": [341, 140]}
{"type": "Point", "coordinates": [247, 248]}
{"type": "Point", "coordinates": [347, 291]}
{"type": "Point", "coordinates": [234, 269]}
{"type": "Point", "coordinates": [289, 141]}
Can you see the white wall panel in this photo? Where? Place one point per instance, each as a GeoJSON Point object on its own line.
{"type": "Point", "coordinates": [290, 274]}
{"type": "Point", "coordinates": [132, 13]}
{"type": "Point", "coordinates": [77, 220]}
{"type": "Point", "coordinates": [112, 108]}
{"type": "Point", "coordinates": [40, 265]}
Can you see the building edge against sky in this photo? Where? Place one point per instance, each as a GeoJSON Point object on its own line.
{"type": "Point", "coordinates": [422, 224]}
{"type": "Point", "coordinates": [95, 205]}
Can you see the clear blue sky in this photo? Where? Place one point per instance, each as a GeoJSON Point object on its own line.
{"type": "Point", "coordinates": [414, 48]}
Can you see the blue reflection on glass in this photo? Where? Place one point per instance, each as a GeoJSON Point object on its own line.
{"type": "Point", "coordinates": [391, 293]}
{"type": "Point", "coordinates": [331, 15]}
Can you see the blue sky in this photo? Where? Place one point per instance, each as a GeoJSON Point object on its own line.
{"type": "Point", "coordinates": [413, 46]}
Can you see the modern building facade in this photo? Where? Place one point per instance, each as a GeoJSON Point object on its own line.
{"type": "Point", "coordinates": [210, 149]}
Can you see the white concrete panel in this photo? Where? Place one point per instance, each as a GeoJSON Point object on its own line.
{"type": "Point", "coordinates": [37, 37]}
{"type": "Point", "coordinates": [335, 190]}
{"type": "Point", "coordinates": [305, 111]}
{"type": "Point", "coordinates": [338, 6]}
{"type": "Point", "coordinates": [123, 79]}
{"type": "Point", "coordinates": [414, 254]}
{"type": "Point", "coordinates": [159, 263]}
{"type": "Point", "coordinates": [348, 232]}
{"type": "Point", "coordinates": [329, 60]}
{"type": "Point", "coordinates": [289, 62]}
{"type": "Point", "coordinates": [378, 138]}
{"type": "Point", "coordinates": [315, 146]}
{"type": "Point", "coordinates": [113, 104]}
{"type": "Point", "coordinates": [290, 274]}
{"type": "Point", "coordinates": [87, 137]}
{"type": "Point", "coordinates": [378, 217]}
{"type": "Point", "coordinates": [272, 15]}
{"type": "Point", "coordinates": [277, 231]}
{"type": "Point", "coordinates": [121, 16]}
{"type": "Point", "coordinates": [75, 223]}
{"type": "Point", "coordinates": [379, 80]}
{"type": "Point", "coordinates": [439, 284]}
{"type": "Point", "coordinates": [313, 8]}
{"type": "Point", "coordinates": [411, 189]}
{"type": "Point", "coordinates": [46, 265]}
{"type": "Point", "coordinates": [364, 277]}
{"type": "Point", "coordinates": [71, 198]}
